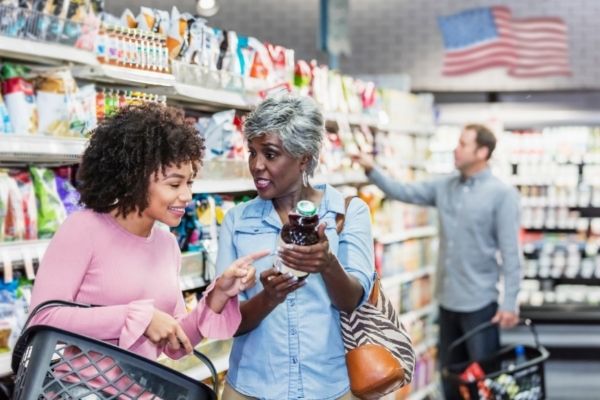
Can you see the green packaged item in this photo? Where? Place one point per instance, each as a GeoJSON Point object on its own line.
{"type": "Point", "coordinates": [51, 211]}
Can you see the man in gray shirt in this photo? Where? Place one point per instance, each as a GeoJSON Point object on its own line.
{"type": "Point", "coordinates": [479, 222]}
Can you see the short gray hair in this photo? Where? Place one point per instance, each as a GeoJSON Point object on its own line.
{"type": "Point", "coordinates": [296, 120]}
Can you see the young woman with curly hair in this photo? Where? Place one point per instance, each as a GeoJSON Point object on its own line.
{"type": "Point", "coordinates": [136, 170]}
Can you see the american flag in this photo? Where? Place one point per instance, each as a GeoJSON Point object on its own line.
{"type": "Point", "coordinates": [490, 37]}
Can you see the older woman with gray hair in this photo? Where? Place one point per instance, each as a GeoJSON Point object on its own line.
{"type": "Point", "coordinates": [289, 343]}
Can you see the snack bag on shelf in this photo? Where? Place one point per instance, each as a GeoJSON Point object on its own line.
{"type": "Point", "coordinates": [217, 131]}
{"type": "Point", "coordinates": [69, 196]}
{"type": "Point", "coordinates": [302, 77]}
{"type": "Point", "coordinates": [29, 205]}
{"type": "Point", "coordinates": [177, 33]}
{"type": "Point", "coordinates": [5, 125]}
{"type": "Point", "coordinates": [146, 20]}
{"type": "Point", "coordinates": [51, 212]}
{"type": "Point", "coordinates": [14, 222]}
{"type": "Point", "coordinates": [262, 67]}
{"type": "Point", "coordinates": [20, 99]}
{"type": "Point", "coordinates": [283, 63]}
{"type": "Point", "coordinates": [128, 19]}
{"type": "Point", "coordinates": [55, 94]}
{"type": "Point", "coordinates": [83, 111]}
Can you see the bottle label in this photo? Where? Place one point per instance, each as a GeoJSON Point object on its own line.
{"type": "Point", "coordinates": [284, 269]}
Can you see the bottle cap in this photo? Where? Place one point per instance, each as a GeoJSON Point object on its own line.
{"type": "Point", "coordinates": [306, 208]}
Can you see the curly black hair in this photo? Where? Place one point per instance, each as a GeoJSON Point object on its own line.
{"type": "Point", "coordinates": [127, 148]}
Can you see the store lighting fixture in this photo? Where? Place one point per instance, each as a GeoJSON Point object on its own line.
{"type": "Point", "coordinates": [207, 8]}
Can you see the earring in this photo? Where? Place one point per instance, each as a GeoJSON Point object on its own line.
{"type": "Point", "coordinates": [304, 178]}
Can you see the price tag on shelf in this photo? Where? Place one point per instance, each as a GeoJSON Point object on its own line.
{"type": "Point", "coordinates": [8, 267]}
{"type": "Point", "coordinates": [28, 261]}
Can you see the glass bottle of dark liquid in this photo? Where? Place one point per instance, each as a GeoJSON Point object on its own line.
{"type": "Point", "coordinates": [301, 230]}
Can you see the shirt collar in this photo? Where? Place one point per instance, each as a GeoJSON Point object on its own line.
{"type": "Point", "coordinates": [332, 201]}
{"type": "Point", "coordinates": [480, 176]}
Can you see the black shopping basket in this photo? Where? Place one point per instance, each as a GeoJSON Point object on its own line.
{"type": "Point", "coordinates": [500, 375]}
{"type": "Point", "coordinates": [52, 364]}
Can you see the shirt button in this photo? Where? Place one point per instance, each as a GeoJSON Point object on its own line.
{"type": "Point", "coordinates": [294, 360]}
{"type": "Point", "coordinates": [292, 302]}
{"type": "Point", "coordinates": [293, 331]}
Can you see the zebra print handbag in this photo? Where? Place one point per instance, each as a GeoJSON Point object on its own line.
{"type": "Point", "coordinates": [379, 353]}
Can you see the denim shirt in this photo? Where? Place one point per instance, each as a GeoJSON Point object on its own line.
{"type": "Point", "coordinates": [297, 351]}
{"type": "Point", "coordinates": [479, 221]}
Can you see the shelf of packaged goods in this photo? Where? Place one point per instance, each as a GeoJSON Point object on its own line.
{"type": "Point", "coordinates": [587, 212]}
{"type": "Point", "coordinates": [219, 98]}
{"type": "Point", "coordinates": [406, 234]}
{"type": "Point", "coordinates": [425, 345]}
{"type": "Point", "coordinates": [240, 185]}
{"type": "Point", "coordinates": [27, 149]}
{"type": "Point", "coordinates": [18, 252]}
{"type": "Point", "coordinates": [5, 368]}
{"type": "Point", "coordinates": [425, 392]}
{"type": "Point", "coordinates": [413, 315]}
{"type": "Point", "coordinates": [408, 129]}
{"type": "Point", "coordinates": [408, 276]}
{"type": "Point", "coordinates": [44, 53]}
{"type": "Point", "coordinates": [352, 119]}
{"type": "Point", "coordinates": [124, 76]}
{"type": "Point", "coordinates": [556, 313]}
{"type": "Point", "coordinates": [340, 178]}
{"type": "Point", "coordinates": [223, 185]}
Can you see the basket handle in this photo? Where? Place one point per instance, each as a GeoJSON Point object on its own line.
{"type": "Point", "coordinates": [56, 303]}
{"type": "Point", "coordinates": [485, 325]}
{"type": "Point", "coordinates": [211, 367]}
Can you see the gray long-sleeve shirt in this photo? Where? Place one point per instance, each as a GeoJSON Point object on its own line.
{"type": "Point", "coordinates": [479, 218]}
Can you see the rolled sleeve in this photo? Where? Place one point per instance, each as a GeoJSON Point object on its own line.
{"type": "Point", "coordinates": [421, 193]}
{"type": "Point", "coordinates": [508, 242]}
{"type": "Point", "coordinates": [355, 251]}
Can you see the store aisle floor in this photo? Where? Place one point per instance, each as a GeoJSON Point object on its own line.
{"type": "Point", "coordinates": [573, 380]}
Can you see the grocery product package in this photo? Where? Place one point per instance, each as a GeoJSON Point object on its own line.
{"type": "Point", "coordinates": [69, 196]}
{"type": "Point", "coordinates": [14, 221]}
{"type": "Point", "coordinates": [55, 98]}
{"type": "Point", "coordinates": [19, 98]}
{"type": "Point", "coordinates": [29, 202]}
{"type": "Point", "coordinates": [5, 125]}
{"type": "Point", "coordinates": [51, 211]}
{"type": "Point", "coordinates": [217, 131]}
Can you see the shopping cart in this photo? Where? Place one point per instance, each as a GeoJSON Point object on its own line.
{"type": "Point", "coordinates": [515, 372]}
{"type": "Point", "coordinates": [52, 364]}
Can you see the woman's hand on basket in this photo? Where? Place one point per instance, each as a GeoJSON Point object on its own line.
{"type": "Point", "coordinates": [506, 319]}
{"type": "Point", "coordinates": [164, 330]}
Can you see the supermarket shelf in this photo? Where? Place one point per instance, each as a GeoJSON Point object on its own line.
{"type": "Point", "coordinates": [223, 185]}
{"type": "Point", "coordinates": [202, 372]}
{"type": "Point", "coordinates": [198, 94]}
{"type": "Point", "coordinates": [407, 234]}
{"type": "Point", "coordinates": [5, 368]}
{"type": "Point", "coordinates": [17, 251]}
{"type": "Point", "coordinates": [588, 212]}
{"type": "Point", "coordinates": [46, 53]}
{"type": "Point", "coordinates": [341, 178]}
{"type": "Point", "coordinates": [27, 149]}
{"type": "Point", "coordinates": [556, 336]}
{"type": "Point", "coordinates": [419, 313]}
{"type": "Point", "coordinates": [566, 313]}
{"type": "Point", "coordinates": [408, 276]}
{"type": "Point", "coordinates": [423, 393]}
{"type": "Point", "coordinates": [418, 130]}
{"type": "Point", "coordinates": [247, 185]}
{"type": "Point", "coordinates": [428, 343]}
{"type": "Point", "coordinates": [121, 75]}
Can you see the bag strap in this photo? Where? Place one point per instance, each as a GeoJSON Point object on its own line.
{"type": "Point", "coordinates": [341, 218]}
{"type": "Point", "coordinates": [339, 226]}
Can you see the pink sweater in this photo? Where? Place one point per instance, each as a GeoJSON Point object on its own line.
{"type": "Point", "coordinates": [93, 260]}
